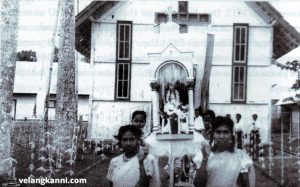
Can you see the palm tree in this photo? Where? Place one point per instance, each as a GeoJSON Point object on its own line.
{"type": "Point", "coordinates": [9, 33]}
{"type": "Point", "coordinates": [66, 100]}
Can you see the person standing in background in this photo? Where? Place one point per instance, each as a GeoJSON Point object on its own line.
{"type": "Point", "coordinates": [254, 140]}
{"type": "Point", "coordinates": [199, 124]}
{"type": "Point", "coordinates": [239, 131]}
{"type": "Point", "coordinates": [208, 117]}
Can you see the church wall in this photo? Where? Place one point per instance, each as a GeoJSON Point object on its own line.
{"type": "Point", "coordinates": [222, 54]}
{"type": "Point", "coordinates": [143, 42]}
{"type": "Point", "coordinates": [220, 84]}
{"type": "Point", "coordinates": [260, 45]}
{"type": "Point", "coordinates": [103, 81]}
{"type": "Point", "coordinates": [140, 82]}
{"type": "Point", "coordinates": [104, 42]}
{"type": "Point", "coordinates": [147, 40]}
{"type": "Point", "coordinates": [258, 86]}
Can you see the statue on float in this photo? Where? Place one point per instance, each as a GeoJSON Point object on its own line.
{"type": "Point", "coordinates": [175, 114]}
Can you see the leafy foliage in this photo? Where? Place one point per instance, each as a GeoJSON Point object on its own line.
{"type": "Point", "coordinates": [30, 56]}
{"type": "Point", "coordinates": [292, 66]}
{"type": "Point", "coordinates": [27, 56]}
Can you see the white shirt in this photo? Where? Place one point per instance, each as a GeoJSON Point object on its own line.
{"type": "Point", "coordinates": [199, 125]}
{"type": "Point", "coordinates": [240, 126]}
{"type": "Point", "coordinates": [252, 126]}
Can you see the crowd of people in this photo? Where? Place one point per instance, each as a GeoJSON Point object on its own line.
{"type": "Point", "coordinates": [227, 160]}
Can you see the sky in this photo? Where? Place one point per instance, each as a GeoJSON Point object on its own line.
{"type": "Point", "coordinates": [37, 18]}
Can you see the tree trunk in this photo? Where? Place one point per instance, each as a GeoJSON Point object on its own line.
{"type": "Point", "coordinates": [9, 33]}
{"type": "Point", "coordinates": [66, 102]}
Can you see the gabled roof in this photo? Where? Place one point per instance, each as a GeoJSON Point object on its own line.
{"type": "Point", "coordinates": [83, 24]}
{"type": "Point", "coordinates": [285, 36]}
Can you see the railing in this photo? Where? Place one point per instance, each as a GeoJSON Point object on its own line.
{"type": "Point", "coordinates": [282, 158]}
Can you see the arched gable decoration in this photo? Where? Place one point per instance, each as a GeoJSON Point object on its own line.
{"type": "Point", "coordinates": [171, 71]}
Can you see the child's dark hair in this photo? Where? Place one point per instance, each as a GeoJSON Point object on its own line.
{"type": "Point", "coordinates": [220, 121]}
{"type": "Point", "coordinates": [138, 112]}
{"type": "Point", "coordinates": [137, 132]}
{"type": "Point", "coordinates": [227, 122]}
{"type": "Point", "coordinates": [211, 113]}
{"type": "Point", "coordinates": [199, 109]}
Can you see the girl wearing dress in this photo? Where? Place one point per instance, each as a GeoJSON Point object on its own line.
{"type": "Point", "coordinates": [133, 168]}
{"type": "Point", "coordinates": [139, 119]}
{"type": "Point", "coordinates": [225, 166]}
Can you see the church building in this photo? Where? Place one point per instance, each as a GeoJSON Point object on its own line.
{"type": "Point", "coordinates": [210, 54]}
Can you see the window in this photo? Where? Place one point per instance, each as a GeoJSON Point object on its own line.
{"type": "Point", "coordinates": [123, 63]}
{"type": "Point", "coordinates": [240, 43]}
{"type": "Point", "coordinates": [239, 83]}
{"type": "Point", "coordinates": [239, 63]}
{"type": "Point", "coordinates": [124, 41]}
{"type": "Point", "coordinates": [123, 80]}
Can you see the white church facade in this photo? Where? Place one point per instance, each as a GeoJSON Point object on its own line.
{"type": "Point", "coordinates": [219, 56]}
{"type": "Point", "coordinates": [216, 55]}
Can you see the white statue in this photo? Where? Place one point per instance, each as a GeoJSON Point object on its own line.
{"type": "Point", "coordinates": [172, 96]}
{"type": "Point", "coordinates": [172, 111]}
{"type": "Point", "coordinates": [183, 117]}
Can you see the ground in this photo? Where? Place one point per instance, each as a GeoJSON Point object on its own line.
{"type": "Point", "coordinates": [96, 175]}
{"type": "Point", "coordinates": [94, 168]}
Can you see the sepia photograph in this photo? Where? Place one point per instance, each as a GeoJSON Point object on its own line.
{"type": "Point", "coordinates": [150, 93]}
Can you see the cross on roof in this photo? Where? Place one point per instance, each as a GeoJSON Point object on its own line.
{"type": "Point", "coordinates": [183, 17]}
